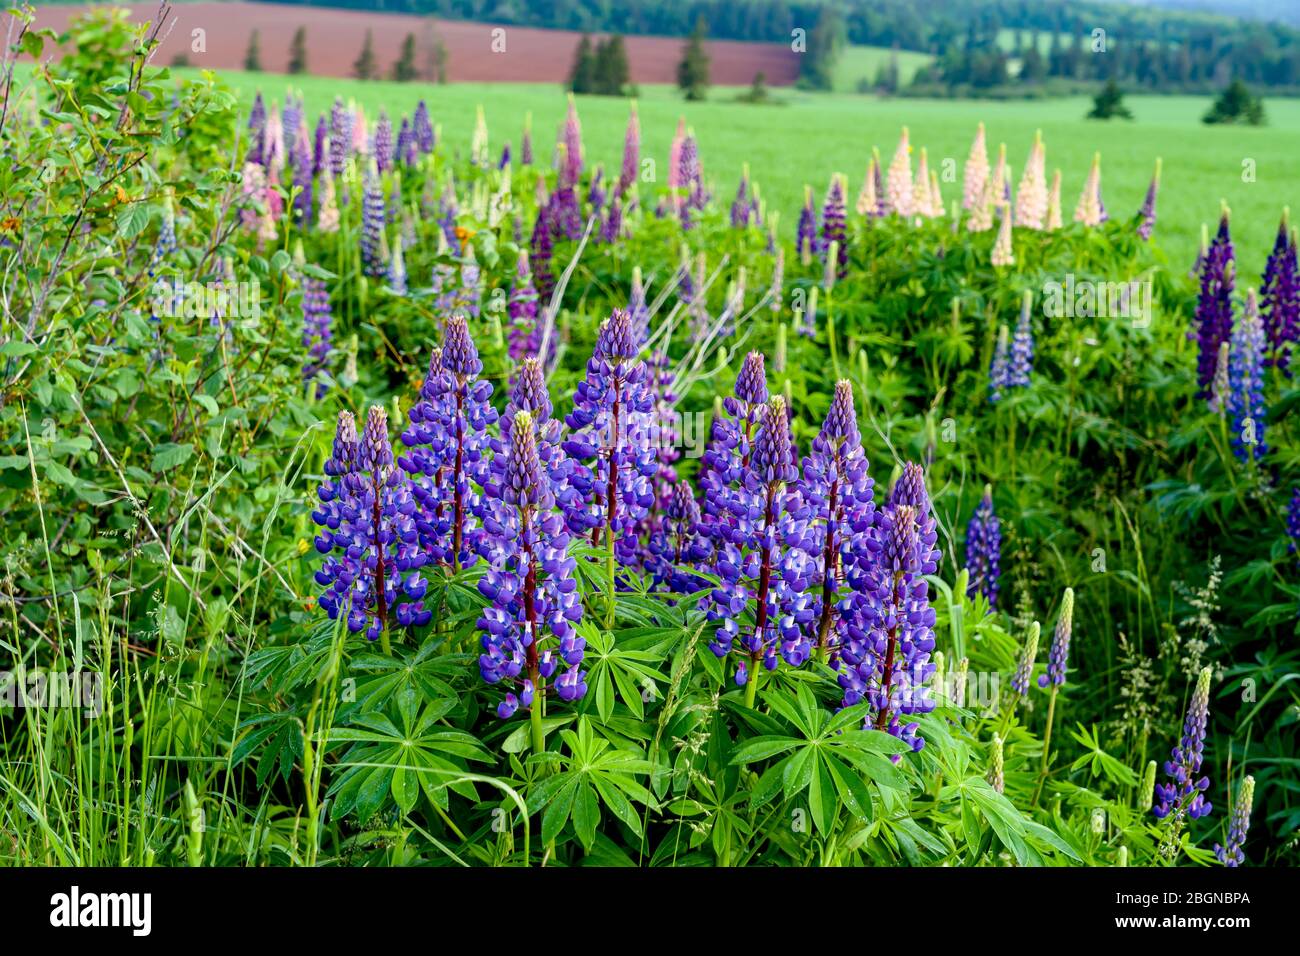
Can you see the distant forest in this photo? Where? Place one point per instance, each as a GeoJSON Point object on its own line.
{"type": "Point", "coordinates": [1156, 49]}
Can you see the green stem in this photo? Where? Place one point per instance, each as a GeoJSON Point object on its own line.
{"type": "Point", "coordinates": [830, 333]}
{"type": "Point", "coordinates": [751, 685]}
{"type": "Point", "coordinates": [609, 571]}
{"type": "Point", "coordinates": [535, 718]}
{"type": "Point", "coordinates": [1047, 745]}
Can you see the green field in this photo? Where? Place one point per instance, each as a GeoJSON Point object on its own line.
{"type": "Point", "coordinates": [807, 136]}
{"type": "Point", "coordinates": [859, 63]}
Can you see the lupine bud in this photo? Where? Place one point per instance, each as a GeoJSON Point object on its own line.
{"type": "Point", "coordinates": [372, 224]}
{"type": "Point", "coordinates": [383, 143]}
{"type": "Point", "coordinates": [834, 235]}
{"type": "Point", "coordinates": [996, 775]}
{"type": "Point", "coordinates": [1147, 214]}
{"type": "Point", "coordinates": [1184, 794]}
{"type": "Point", "coordinates": [806, 230]}
{"type": "Point", "coordinates": [422, 128]}
{"type": "Point", "coordinates": [1002, 253]}
{"type": "Point", "coordinates": [976, 172]}
{"type": "Point", "coordinates": [631, 153]}
{"type": "Point", "coordinates": [1025, 666]}
{"type": "Point", "coordinates": [1232, 855]}
{"type": "Point", "coordinates": [1146, 790]}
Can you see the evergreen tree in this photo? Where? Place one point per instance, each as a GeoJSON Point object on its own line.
{"type": "Point", "coordinates": [1236, 104]}
{"type": "Point", "coordinates": [693, 70]}
{"type": "Point", "coordinates": [404, 69]}
{"type": "Point", "coordinates": [1109, 104]}
{"type": "Point", "coordinates": [824, 46]}
{"type": "Point", "coordinates": [253, 58]}
{"type": "Point", "coordinates": [582, 75]}
{"type": "Point", "coordinates": [298, 51]}
{"type": "Point", "coordinates": [364, 67]}
{"type": "Point", "coordinates": [611, 68]}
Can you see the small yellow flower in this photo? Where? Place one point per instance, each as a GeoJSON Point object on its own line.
{"type": "Point", "coordinates": [462, 233]}
{"type": "Point", "coordinates": [10, 225]}
{"type": "Point", "coordinates": [302, 546]}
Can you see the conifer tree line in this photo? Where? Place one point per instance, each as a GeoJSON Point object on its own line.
{"type": "Point", "coordinates": [1161, 50]}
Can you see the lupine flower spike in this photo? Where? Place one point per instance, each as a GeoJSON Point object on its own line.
{"type": "Point", "coordinates": [1232, 855]}
{"type": "Point", "coordinates": [900, 179]}
{"type": "Point", "coordinates": [984, 550]}
{"type": "Point", "coordinates": [1088, 210]}
{"type": "Point", "coordinates": [1183, 797]}
{"type": "Point", "coordinates": [976, 172]}
{"type": "Point", "coordinates": [1147, 214]}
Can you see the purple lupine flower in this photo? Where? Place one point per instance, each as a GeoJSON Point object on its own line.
{"type": "Point", "coordinates": [1025, 663]}
{"type": "Point", "coordinates": [317, 329]}
{"type": "Point", "coordinates": [528, 628]}
{"type": "Point", "coordinates": [368, 518]}
{"type": "Point", "coordinates": [372, 224]}
{"type": "Point", "coordinates": [393, 208]}
{"type": "Point", "coordinates": [1184, 794]}
{"type": "Point", "coordinates": [1022, 347]}
{"type": "Point", "coordinates": [300, 156]}
{"type": "Point", "coordinates": [805, 237]}
{"type": "Point", "coordinates": [758, 558]}
{"type": "Point", "coordinates": [1147, 215]}
{"type": "Point", "coordinates": [1232, 854]}
{"type": "Point", "coordinates": [539, 256]}
{"type": "Point", "coordinates": [1214, 305]}
{"type": "Point", "coordinates": [984, 550]}
{"type": "Point", "coordinates": [691, 176]}
{"type": "Point", "coordinates": [397, 268]}
{"type": "Point", "coordinates": [166, 243]}
{"type": "Point", "coordinates": [572, 144]}
{"type": "Point", "coordinates": [1058, 658]}
{"type": "Point", "coordinates": [470, 291]}
{"type": "Point", "coordinates": [504, 161]}
{"type": "Point", "coordinates": [526, 143]}
{"type": "Point", "coordinates": [564, 215]}
{"type": "Point", "coordinates": [318, 157]}
{"type": "Point", "coordinates": [836, 489]}
{"type": "Point", "coordinates": [1245, 405]}
{"type": "Point", "coordinates": [612, 225]}
{"type": "Point", "coordinates": [422, 128]}
{"type": "Point", "coordinates": [740, 207]}
{"type": "Point", "coordinates": [730, 442]}
{"type": "Point", "coordinates": [406, 148]}
{"type": "Point", "coordinates": [610, 441]}
{"type": "Point", "coordinates": [1293, 520]}
{"type": "Point", "coordinates": [1000, 367]}
{"type": "Point", "coordinates": [383, 142]}
{"type": "Point", "coordinates": [447, 437]}
{"type": "Point", "coordinates": [257, 114]}
{"type": "Point", "coordinates": [524, 335]}
{"type": "Point", "coordinates": [291, 119]}
{"type": "Point", "coordinates": [340, 136]}
{"type": "Point", "coordinates": [631, 154]}
{"type": "Point", "coordinates": [833, 225]}
{"type": "Point", "coordinates": [638, 310]}
{"type": "Point", "coordinates": [596, 189]}
{"type": "Point", "coordinates": [1280, 298]}
{"type": "Point", "coordinates": [886, 651]}
{"type": "Point", "coordinates": [677, 545]}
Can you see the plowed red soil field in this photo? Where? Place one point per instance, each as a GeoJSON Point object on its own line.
{"type": "Point", "coordinates": [335, 37]}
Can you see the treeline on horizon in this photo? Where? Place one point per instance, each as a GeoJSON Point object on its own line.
{"type": "Point", "coordinates": [1164, 50]}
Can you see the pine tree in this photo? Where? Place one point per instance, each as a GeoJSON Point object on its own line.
{"type": "Point", "coordinates": [693, 70]}
{"type": "Point", "coordinates": [611, 69]}
{"type": "Point", "coordinates": [298, 51]}
{"type": "Point", "coordinates": [582, 76]}
{"type": "Point", "coordinates": [364, 67]}
{"type": "Point", "coordinates": [1109, 104]}
{"type": "Point", "coordinates": [253, 58]}
{"type": "Point", "coordinates": [824, 46]}
{"type": "Point", "coordinates": [1236, 104]}
{"type": "Point", "coordinates": [404, 69]}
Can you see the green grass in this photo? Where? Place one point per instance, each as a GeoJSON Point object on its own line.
{"type": "Point", "coordinates": [859, 63]}
{"type": "Point", "coordinates": [807, 136]}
